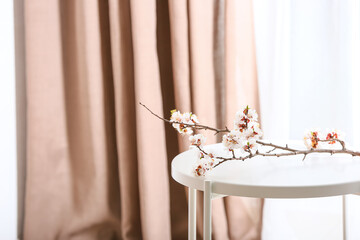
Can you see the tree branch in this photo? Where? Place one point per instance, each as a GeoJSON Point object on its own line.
{"type": "Point", "coordinates": [342, 143]}
{"type": "Point", "coordinates": [286, 148]}
{"type": "Point", "coordinates": [289, 151]}
{"type": "Point", "coordinates": [194, 125]}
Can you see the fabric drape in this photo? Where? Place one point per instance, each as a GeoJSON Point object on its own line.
{"type": "Point", "coordinates": [98, 164]}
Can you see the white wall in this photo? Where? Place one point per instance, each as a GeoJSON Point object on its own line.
{"type": "Point", "coordinates": [8, 182]}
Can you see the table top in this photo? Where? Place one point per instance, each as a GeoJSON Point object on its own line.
{"type": "Point", "coordinates": [320, 175]}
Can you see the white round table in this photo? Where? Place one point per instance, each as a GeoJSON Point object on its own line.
{"type": "Point", "coordinates": [320, 175]}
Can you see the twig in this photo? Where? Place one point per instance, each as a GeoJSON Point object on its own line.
{"type": "Point", "coordinates": [300, 152]}
{"type": "Point", "coordinates": [276, 146]}
{"type": "Point", "coordinates": [194, 125]}
{"type": "Point", "coordinates": [342, 143]}
{"type": "Point", "coordinates": [271, 150]}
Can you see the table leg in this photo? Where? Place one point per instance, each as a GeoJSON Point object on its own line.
{"type": "Point", "coordinates": [207, 210]}
{"type": "Point", "coordinates": [192, 214]}
{"type": "Point", "coordinates": [344, 216]}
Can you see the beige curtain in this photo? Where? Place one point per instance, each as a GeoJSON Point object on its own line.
{"type": "Point", "coordinates": [98, 164]}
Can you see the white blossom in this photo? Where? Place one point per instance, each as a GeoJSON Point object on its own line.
{"type": "Point", "coordinates": [241, 121]}
{"type": "Point", "coordinates": [183, 122]}
{"type": "Point", "coordinates": [253, 131]}
{"type": "Point", "coordinates": [252, 114]}
{"type": "Point", "coordinates": [311, 138]}
{"type": "Point", "coordinates": [246, 119]}
{"type": "Point", "coordinates": [199, 170]}
{"type": "Point", "coordinates": [176, 116]}
{"type": "Point", "coordinates": [186, 117]}
{"type": "Point", "coordinates": [249, 144]}
{"type": "Point", "coordinates": [246, 131]}
{"type": "Point", "coordinates": [194, 118]}
{"type": "Point", "coordinates": [239, 115]}
{"type": "Point", "coordinates": [205, 163]}
{"type": "Point", "coordinates": [232, 140]}
{"type": "Point", "coordinates": [197, 140]}
{"type": "Point", "coordinates": [240, 125]}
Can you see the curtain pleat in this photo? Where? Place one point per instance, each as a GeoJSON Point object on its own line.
{"type": "Point", "coordinates": [152, 168]}
{"type": "Point", "coordinates": [48, 169]}
{"type": "Point", "coordinates": [241, 90]}
{"type": "Point", "coordinates": [98, 162]}
{"type": "Point", "coordinates": [122, 60]}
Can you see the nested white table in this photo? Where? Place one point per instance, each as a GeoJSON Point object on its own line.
{"type": "Point", "coordinates": [320, 175]}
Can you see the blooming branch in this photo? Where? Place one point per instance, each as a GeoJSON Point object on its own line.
{"type": "Point", "coordinates": [246, 137]}
{"type": "Point", "coordinates": [193, 125]}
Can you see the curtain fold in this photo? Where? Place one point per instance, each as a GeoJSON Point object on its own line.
{"type": "Point", "coordinates": [241, 89]}
{"type": "Point", "coordinates": [98, 162]}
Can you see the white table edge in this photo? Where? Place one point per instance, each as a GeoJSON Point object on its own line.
{"type": "Point", "coordinates": [226, 188]}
